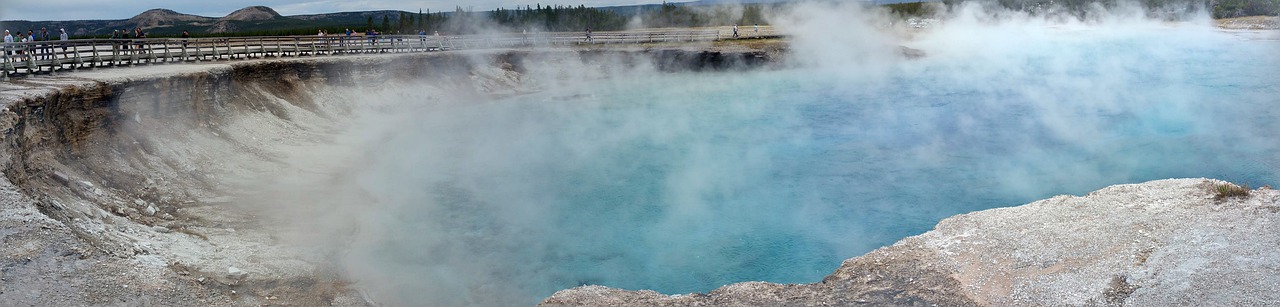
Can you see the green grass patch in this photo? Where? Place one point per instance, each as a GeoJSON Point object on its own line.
{"type": "Point", "coordinates": [1228, 190]}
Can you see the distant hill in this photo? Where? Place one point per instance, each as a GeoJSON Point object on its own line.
{"type": "Point", "coordinates": [155, 18]}
{"type": "Point", "coordinates": [253, 19]}
{"type": "Point", "coordinates": [253, 13]}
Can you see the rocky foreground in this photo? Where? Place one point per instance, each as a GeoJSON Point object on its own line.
{"type": "Point", "coordinates": [1165, 242]}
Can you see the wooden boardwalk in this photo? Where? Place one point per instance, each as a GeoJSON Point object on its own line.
{"type": "Point", "coordinates": [54, 56]}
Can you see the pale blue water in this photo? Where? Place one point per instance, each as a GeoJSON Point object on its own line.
{"type": "Point", "coordinates": [685, 182]}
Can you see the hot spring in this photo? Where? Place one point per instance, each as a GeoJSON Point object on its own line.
{"type": "Point", "coordinates": [684, 182]}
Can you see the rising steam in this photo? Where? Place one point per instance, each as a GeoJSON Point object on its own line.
{"type": "Point", "coordinates": [617, 174]}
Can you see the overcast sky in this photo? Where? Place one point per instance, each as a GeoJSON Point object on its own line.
{"type": "Point", "coordinates": [115, 9]}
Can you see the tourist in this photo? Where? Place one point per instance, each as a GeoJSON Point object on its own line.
{"type": "Point", "coordinates": [757, 29]}
{"type": "Point", "coordinates": [589, 40]}
{"type": "Point", "coordinates": [31, 38]}
{"type": "Point", "coordinates": [62, 36]}
{"type": "Point", "coordinates": [124, 34]}
{"type": "Point", "coordinates": [8, 50]}
{"type": "Point", "coordinates": [186, 37]}
{"type": "Point", "coordinates": [45, 51]}
{"type": "Point", "coordinates": [8, 39]}
{"type": "Point", "coordinates": [735, 30]}
{"type": "Point", "coordinates": [342, 40]}
{"type": "Point", "coordinates": [137, 33]}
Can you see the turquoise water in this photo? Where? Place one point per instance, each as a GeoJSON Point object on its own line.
{"type": "Point", "coordinates": [683, 182]}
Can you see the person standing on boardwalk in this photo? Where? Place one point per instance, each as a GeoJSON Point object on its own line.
{"type": "Point", "coordinates": [31, 38]}
{"type": "Point", "coordinates": [8, 50]}
{"type": "Point", "coordinates": [45, 51]}
{"type": "Point", "coordinates": [21, 50]}
{"type": "Point", "coordinates": [185, 36]}
{"type": "Point", "coordinates": [589, 40]}
{"type": "Point", "coordinates": [757, 30]}
{"type": "Point", "coordinates": [62, 37]}
{"type": "Point", "coordinates": [8, 39]}
{"type": "Point", "coordinates": [124, 34]}
{"type": "Point", "coordinates": [137, 33]}
{"type": "Point", "coordinates": [735, 30]}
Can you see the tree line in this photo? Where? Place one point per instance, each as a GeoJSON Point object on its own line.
{"type": "Point", "coordinates": [1171, 9]}
{"type": "Point", "coordinates": [557, 18]}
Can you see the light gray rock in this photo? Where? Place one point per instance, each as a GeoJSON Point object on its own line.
{"type": "Point", "coordinates": [1165, 242]}
{"type": "Point", "coordinates": [235, 273]}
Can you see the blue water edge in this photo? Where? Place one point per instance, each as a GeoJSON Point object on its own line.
{"type": "Point", "coordinates": [684, 182]}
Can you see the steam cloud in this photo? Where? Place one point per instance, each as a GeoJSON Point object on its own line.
{"type": "Point", "coordinates": [682, 182]}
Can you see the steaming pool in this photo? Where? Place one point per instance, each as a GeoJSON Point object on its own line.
{"type": "Point", "coordinates": [684, 182]}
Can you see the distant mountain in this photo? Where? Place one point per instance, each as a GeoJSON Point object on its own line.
{"type": "Point", "coordinates": [161, 17]}
{"type": "Point", "coordinates": [253, 13]}
{"type": "Point", "coordinates": [163, 22]}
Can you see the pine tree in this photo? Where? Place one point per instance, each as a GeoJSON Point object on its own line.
{"type": "Point", "coordinates": [400, 23]}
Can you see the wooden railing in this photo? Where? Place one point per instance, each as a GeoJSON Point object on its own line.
{"type": "Point", "coordinates": [32, 57]}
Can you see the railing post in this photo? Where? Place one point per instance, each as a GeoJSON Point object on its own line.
{"type": "Point", "coordinates": [57, 63]}
{"type": "Point", "coordinates": [31, 58]}
{"type": "Point", "coordinates": [151, 54]}
{"type": "Point", "coordinates": [133, 56]}
{"type": "Point", "coordinates": [216, 55]}
{"type": "Point", "coordinates": [115, 52]}
{"type": "Point", "coordinates": [76, 62]}
{"type": "Point", "coordinates": [8, 65]}
{"type": "Point", "coordinates": [93, 47]}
